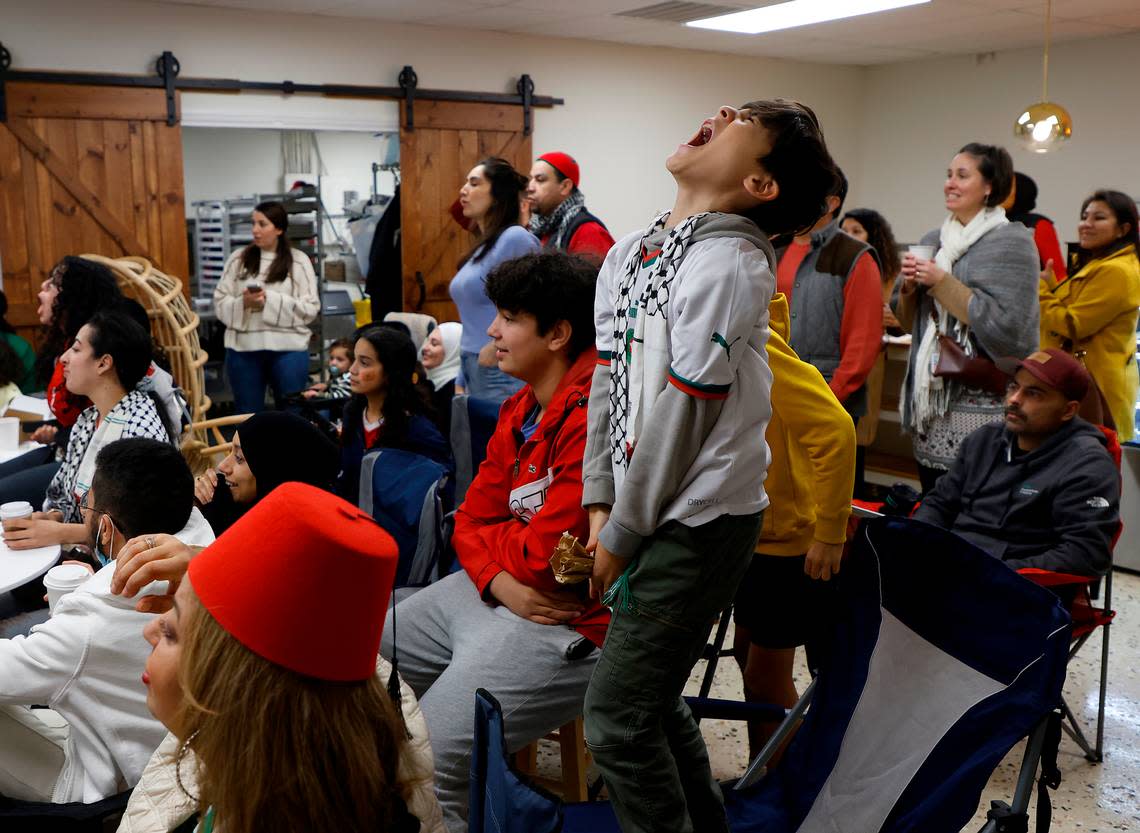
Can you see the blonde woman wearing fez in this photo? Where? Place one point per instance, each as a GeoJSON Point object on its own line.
{"type": "Point", "coordinates": [1093, 313]}
{"type": "Point", "coordinates": [980, 290]}
{"type": "Point", "coordinates": [267, 298]}
{"type": "Point", "coordinates": [282, 722]}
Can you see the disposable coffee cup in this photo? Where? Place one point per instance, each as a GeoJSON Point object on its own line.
{"type": "Point", "coordinates": [921, 252]}
{"type": "Point", "coordinates": [61, 580]}
{"type": "Point", "coordinates": [9, 433]}
{"type": "Point", "coordinates": [16, 510]}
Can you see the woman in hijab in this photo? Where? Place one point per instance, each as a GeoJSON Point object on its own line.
{"type": "Point", "coordinates": [270, 448]}
{"type": "Point", "coordinates": [439, 356]}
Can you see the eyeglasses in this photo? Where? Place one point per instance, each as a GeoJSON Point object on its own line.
{"type": "Point", "coordinates": [84, 506]}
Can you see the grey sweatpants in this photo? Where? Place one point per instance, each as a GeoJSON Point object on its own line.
{"type": "Point", "coordinates": [448, 643]}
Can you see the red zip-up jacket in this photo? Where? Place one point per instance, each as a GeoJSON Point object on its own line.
{"type": "Point", "coordinates": [527, 494]}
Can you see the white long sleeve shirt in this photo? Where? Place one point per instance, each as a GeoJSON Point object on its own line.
{"type": "Point", "coordinates": [85, 662]}
{"type": "Point", "coordinates": [290, 305]}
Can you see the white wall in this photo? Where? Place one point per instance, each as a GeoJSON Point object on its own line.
{"type": "Point", "coordinates": [892, 127]}
{"type": "Point", "coordinates": [626, 107]}
{"type": "Point", "coordinates": [224, 162]}
{"type": "Point", "coordinates": [921, 112]}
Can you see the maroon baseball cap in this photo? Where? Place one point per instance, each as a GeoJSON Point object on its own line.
{"type": "Point", "coordinates": [1056, 368]}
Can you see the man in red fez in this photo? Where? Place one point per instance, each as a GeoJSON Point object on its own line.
{"type": "Point", "coordinates": [558, 210]}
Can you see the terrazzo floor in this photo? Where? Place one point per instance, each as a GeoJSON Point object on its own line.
{"type": "Point", "coordinates": [1092, 798]}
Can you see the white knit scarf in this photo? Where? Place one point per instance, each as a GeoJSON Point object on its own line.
{"type": "Point", "coordinates": [929, 397]}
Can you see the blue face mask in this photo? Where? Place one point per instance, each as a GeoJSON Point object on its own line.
{"type": "Point", "coordinates": [103, 558]}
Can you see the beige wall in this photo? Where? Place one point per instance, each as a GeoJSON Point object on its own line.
{"type": "Point", "coordinates": [921, 112]}
{"type": "Point", "coordinates": [626, 108]}
{"type": "Point", "coordinates": [892, 127]}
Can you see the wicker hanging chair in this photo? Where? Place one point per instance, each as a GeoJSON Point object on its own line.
{"type": "Point", "coordinates": [173, 325]}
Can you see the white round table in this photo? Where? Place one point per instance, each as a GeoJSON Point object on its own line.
{"type": "Point", "coordinates": [18, 567]}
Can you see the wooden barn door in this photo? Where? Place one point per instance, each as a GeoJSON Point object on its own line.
{"type": "Point", "coordinates": [86, 169]}
{"type": "Point", "coordinates": [448, 140]}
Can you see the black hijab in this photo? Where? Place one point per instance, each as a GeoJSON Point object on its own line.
{"type": "Point", "coordinates": [279, 447]}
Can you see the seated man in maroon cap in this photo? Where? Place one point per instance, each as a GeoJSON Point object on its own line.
{"type": "Point", "coordinates": [558, 210]}
{"type": "Point", "coordinates": [1040, 489]}
{"type": "Point", "coordinates": [502, 622]}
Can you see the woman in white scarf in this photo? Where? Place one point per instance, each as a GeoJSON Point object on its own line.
{"type": "Point", "coordinates": [980, 289]}
{"type": "Point", "coordinates": [440, 353]}
{"type": "Point", "coordinates": [440, 358]}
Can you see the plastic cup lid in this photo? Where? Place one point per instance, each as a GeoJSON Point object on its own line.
{"type": "Point", "coordinates": [15, 508]}
{"type": "Point", "coordinates": [67, 574]}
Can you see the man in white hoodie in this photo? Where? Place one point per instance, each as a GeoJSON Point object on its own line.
{"type": "Point", "coordinates": [85, 662]}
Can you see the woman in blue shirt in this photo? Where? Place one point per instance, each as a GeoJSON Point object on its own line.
{"type": "Point", "coordinates": [490, 199]}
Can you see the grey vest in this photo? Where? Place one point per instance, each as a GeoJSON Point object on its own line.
{"type": "Point", "coordinates": [817, 304]}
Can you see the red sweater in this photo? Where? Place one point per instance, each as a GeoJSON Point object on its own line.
{"type": "Point", "coordinates": [1049, 248]}
{"type": "Point", "coordinates": [861, 330]}
{"type": "Point", "coordinates": [65, 405]}
{"type": "Point", "coordinates": [591, 241]}
{"type": "Point", "coordinates": [527, 494]}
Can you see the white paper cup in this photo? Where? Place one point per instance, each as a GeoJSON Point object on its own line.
{"type": "Point", "coordinates": [62, 579]}
{"type": "Point", "coordinates": [9, 433]}
{"type": "Point", "coordinates": [921, 252]}
{"type": "Point", "coordinates": [16, 510]}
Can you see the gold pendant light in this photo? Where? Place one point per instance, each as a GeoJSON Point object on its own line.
{"type": "Point", "coordinates": [1043, 126]}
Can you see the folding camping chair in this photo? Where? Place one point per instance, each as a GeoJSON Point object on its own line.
{"type": "Point", "coordinates": [1087, 617]}
{"type": "Point", "coordinates": [407, 495]}
{"type": "Point", "coordinates": [921, 698]}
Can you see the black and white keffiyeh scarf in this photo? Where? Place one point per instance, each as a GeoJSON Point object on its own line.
{"type": "Point", "coordinates": [558, 221]}
{"type": "Point", "coordinates": [640, 356]}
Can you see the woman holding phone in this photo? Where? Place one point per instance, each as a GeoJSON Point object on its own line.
{"type": "Point", "coordinates": [266, 298]}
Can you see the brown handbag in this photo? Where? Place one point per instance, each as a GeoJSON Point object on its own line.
{"type": "Point", "coordinates": [972, 371]}
{"type": "Point", "coordinates": [1094, 407]}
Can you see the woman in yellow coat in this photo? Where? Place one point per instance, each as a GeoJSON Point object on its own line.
{"type": "Point", "coordinates": [1095, 310]}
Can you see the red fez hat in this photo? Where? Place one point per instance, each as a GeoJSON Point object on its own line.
{"type": "Point", "coordinates": [563, 163]}
{"type": "Point", "coordinates": [302, 579]}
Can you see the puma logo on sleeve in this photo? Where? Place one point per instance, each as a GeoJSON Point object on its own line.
{"type": "Point", "coordinates": [717, 338]}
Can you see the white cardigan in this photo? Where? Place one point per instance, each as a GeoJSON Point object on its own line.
{"type": "Point", "coordinates": [85, 662]}
{"type": "Point", "coordinates": [289, 306]}
{"type": "Point", "coordinates": [158, 804]}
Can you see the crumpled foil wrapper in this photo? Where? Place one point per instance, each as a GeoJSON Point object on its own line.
{"type": "Point", "coordinates": [571, 563]}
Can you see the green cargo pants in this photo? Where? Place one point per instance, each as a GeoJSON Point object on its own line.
{"type": "Point", "coordinates": [638, 728]}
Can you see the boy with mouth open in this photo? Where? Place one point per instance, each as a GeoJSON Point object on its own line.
{"type": "Point", "coordinates": [675, 456]}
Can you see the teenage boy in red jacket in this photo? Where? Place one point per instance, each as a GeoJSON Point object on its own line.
{"type": "Point", "coordinates": [503, 623]}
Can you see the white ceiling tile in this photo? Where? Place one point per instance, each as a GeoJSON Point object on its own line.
{"type": "Point", "coordinates": [591, 7]}
{"type": "Point", "coordinates": [600, 27]}
{"type": "Point", "coordinates": [1080, 9]}
{"type": "Point", "coordinates": [941, 26]}
{"type": "Point", "coordinates": [499, 18]}
{"type": "Point", "coordinates": [870, 56]}
{"type": "Point", "coordinates": [406, 11]}
{"type": "Point", "coordinates": [1122, 20]}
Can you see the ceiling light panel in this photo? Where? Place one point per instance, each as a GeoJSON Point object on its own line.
{"type": "Point", "coordinates": [797, 13]}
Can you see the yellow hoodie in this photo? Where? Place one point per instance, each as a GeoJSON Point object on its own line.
{"type": "Point", "coordinates": [812, 442]}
